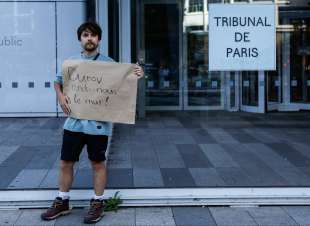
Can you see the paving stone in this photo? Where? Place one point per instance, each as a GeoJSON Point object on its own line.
{"type": "Point", "coordinates": [171, 123]}
{"type": "Point", "coordinates": [143, 156]}
{"type": "Point", "coordinates": [174, 177]}
{"type": "Point", "coordinates": [179, 138]}
{"type": "Point", "coordinates": [189, 124]}
{"type": "Point", "coordinates": [51, 179]}
{"type": "Point", "coordinates": [217, 155]}
{"type": "Point", "coordinates": [300, 214]}
{"type": "Point", "coordinates": [271, 216]}
{"type": "Point", "coordinates": [84, 162]}
{"type": "Point", "coordinates": [9, 217]}
{"type": "Point", "coordinates": [32, 217]}
{"type": "Point", "coordinates": [222, 136]}
{"type": "Point", "coordinates": [147, 178]}
{"type": "Point", "coordinates": [154, 216]}
{"type": "Point", "coordinates": [83, 179]}
{"type": "Point", "coordinates": [75, 218]}
{"type": "Point", "coordinates": [44, 157]}
{"type": "Point", "coordinates": [302, 148]}
{"type": "Point", "coordinates": [6, 151]}
{"type": "Point", "coordinates": [193, 156]}
{"type": "Point", "coordinates": [279, 134]}
{"type": "Point", "coordinates": [291, 154]}
{"type": "Point", "coordinates": [20, 158]}
{"type": "Point", "coordinates": [44, 137]}
{"type": "Point", "coordinates": [12, 166]}
{"type": "Point", "coordinates": [206, 177]}
{"type": "Point", "coordinates": [119, 156]}
{"type": "Point", "coordinates": [234, 176]}
{"type": "Point", "coordinates": [28, 178]}
{"type": "Point", "coordinates": [120, 178]}
{"type": "Point", "coordinates": [161, 139]}
{"type": "Point", "coordinates": [225, 216]}
{"type": "Point", "coordinates": [123, 217]}
{"type": "Point", "coordinates": [192, 216]}
{"type": "Point", "coordinates": [169, 156]}
{"type": "Point", "coordinates": [201, 136]}
{"type": "Point", "coordinates": [260, 173]}
{"type": "Point", "coordinates": [155, 124]}
{"type": "Point", "coordinates": [9, 138]}
{"type": "Point", "coordinates": [241, 136]}
{"type": "Point", "coordinates": [268, 156]}
{"type": "Point", "coordinates": [261, 135]}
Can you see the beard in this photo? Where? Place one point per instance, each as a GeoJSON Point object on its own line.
{"type": "Point", "coordinates": [90, 46]}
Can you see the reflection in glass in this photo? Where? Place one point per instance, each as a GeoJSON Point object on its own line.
{"type": "Point", "coordinates": [249, 88]}
{"type": "Point", "coordinates": [232, 84]}
{"type": "Point", "coordinates": [274, 77]}
{"type": "Point", "coordinates": [300, 61]}
{"type": "Point", "coordinates": [204, 88]}
{"type": "Point", "coordinates": [161, 40]}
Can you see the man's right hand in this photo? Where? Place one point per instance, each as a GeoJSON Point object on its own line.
{"type": "Point", "coordinates": [64, 102]}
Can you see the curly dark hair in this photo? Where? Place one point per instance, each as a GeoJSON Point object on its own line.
{"type": "Point", "coordinates": [90, 26]}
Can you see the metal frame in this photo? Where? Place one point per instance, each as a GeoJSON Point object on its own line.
{"type": "Point", "coordinates": [261, 95]}
{"type": "Point", "coordinates": [242, 196]}
{"type": "Point", "coordinates": [102, 18]}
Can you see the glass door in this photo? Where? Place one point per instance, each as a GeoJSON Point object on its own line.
{"type": "Point", "coordinates": [203, 90]}
{"type": "Point", "coordinates": [160, 47]}
{"type": "Point", "coordinates": [252, 85]}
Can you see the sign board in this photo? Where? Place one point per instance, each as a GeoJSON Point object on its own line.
{"type": "Point", "coordinates": [100, 90]}
{"type": "Point", "coordinates": [242, 37]}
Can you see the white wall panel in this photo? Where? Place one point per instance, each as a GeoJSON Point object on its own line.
{"type": "Point", "coordinates": [27, 53]}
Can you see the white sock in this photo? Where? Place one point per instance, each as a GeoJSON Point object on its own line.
{"type": "Point", "coordinates": [100, 197]}
{"type": "Point", "coordinates": [64, 195]}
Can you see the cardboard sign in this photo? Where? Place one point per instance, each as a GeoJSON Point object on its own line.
{"type": "Point", "coordinates": [101, 91]}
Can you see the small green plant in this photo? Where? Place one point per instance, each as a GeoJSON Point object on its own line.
{"type": "Point", "coordinates": [112, 203]}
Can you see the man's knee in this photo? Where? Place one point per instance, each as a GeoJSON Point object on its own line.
{"type": "Point", "coordinates": [66, 165]}
{"type": "Point", "coordinates": [97, 166]}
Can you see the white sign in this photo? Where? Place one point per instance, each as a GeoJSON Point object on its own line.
{"type": "Point", "coordinates": [242, 37]}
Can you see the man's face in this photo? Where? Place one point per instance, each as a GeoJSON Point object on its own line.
{"type": "Point", "coordinates": [89, 41]}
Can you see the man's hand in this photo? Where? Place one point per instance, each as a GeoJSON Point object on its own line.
{"type": "Point", "coordinates": [138, 71]}
{"type": "Point", "coordinates": [64, 102]}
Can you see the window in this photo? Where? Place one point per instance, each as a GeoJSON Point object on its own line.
{"type": "Point", "coordinates": [195, 6]}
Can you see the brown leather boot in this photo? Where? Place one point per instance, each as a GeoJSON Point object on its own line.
{"type": "Point", "coordinates": [59, 207]}
{"type": "Point", "coordinates": [95, 213]}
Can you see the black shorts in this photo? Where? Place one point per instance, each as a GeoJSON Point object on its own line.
{"type": "Point", "coordinates": [73, 143]}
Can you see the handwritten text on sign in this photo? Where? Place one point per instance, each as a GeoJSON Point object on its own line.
{"type": "Point", "coordinates": [241, 37]}
{"type": "Point", "coordinates": [100, 91]}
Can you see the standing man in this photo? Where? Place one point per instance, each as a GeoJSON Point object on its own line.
{"type": "Point", "coordinates": [78, 133]}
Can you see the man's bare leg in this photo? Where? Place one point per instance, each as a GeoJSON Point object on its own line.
{"type": "Point", "coordinates": [99, 177]}
{"type": "Point", "coordinates": [65, 175]}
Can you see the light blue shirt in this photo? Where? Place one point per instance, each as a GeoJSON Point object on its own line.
{"type": "Point", "coordinates": [83, 125]}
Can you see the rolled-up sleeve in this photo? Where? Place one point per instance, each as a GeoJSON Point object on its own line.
{"type": "Point", "coordinates": [58, 78]}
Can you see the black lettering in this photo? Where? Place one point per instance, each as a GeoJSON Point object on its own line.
{"type": "Point", "coordinates": [217, 20]}
{"type": "Point", "coordinates": [228, 51]}
{"type": "Point", "coordinates": [254, 52]}
{"type": "Point", "coordinates": [266, 24]}
{"type": "Point", "coordinates": [246, 36]}
{"type": "Point", "coordinates": [238, 37]}
{"type": "Point", "coordinates": [244, 52]}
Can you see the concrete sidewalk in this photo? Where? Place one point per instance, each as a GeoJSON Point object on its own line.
{"type": "Point", "coordinates": [172, 216]}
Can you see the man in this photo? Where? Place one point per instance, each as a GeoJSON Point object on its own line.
{"type": "Point", "coordinates": [78, 133]}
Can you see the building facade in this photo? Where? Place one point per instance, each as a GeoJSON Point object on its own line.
{"type": "Point", "coordinates": [170, 38]}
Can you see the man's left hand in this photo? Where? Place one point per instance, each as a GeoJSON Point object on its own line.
{"type": "Point", "coordinates": [138, 71]}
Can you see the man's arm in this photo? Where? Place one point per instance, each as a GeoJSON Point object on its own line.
{"type": "Point", "coordinates": [62, 99]}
